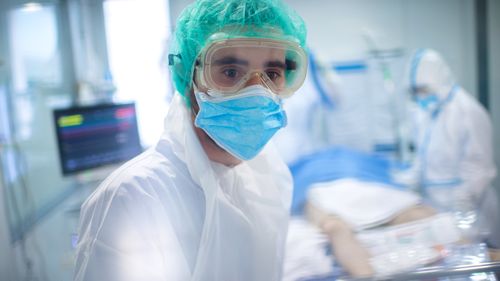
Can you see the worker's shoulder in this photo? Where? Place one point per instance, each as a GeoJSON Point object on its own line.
{"type": "Point", "coordinates": [143, 177]}
{"type": "Point", "coordinates": [469, 110]}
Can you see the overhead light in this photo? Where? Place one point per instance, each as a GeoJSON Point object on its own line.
{"type": "Point", "coordinates": [31, 7]}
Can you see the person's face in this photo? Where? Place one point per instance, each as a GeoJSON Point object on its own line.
{"type": "Point", "coordinates": [420, 91]}
{"type": "Point", "coordinates": [425, 99]}
{"type": "Point", "coordinates": [247, 66]}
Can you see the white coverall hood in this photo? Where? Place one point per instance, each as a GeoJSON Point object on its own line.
{"type": "Point", "coordinates": [172, 214]}
{"type": "Point", "coordinates": [429, 71]}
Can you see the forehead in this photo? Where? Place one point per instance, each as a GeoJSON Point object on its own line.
{"type": "Point", "coordinates": [254, 56]}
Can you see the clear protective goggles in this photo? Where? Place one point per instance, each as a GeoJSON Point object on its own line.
{"type": "Point", "coordinates": [225, 67]}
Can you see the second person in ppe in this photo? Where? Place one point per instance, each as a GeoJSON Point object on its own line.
{"type": "Point", "coordinates": [211, 200]}
{"type": "Point", "coordinates": [454, 166]}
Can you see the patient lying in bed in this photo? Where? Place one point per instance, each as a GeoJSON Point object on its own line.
{"type": "Point", "coordinates": [347, 248]}
{"type": "Point", "coordinates": [373, 226]}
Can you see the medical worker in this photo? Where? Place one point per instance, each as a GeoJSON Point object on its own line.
{"type": "Point", "coordinates": [211, 200]}
{"type": "Point", "coordinates": [454, 141]}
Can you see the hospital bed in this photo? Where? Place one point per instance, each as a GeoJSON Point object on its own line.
{"type": "Point", "coordinates": [308, 256]}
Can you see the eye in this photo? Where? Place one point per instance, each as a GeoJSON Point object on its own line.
{"type": "Point", "coordinates": [273, 75]}
{"type": "Point", "coordinates": [230, 73]}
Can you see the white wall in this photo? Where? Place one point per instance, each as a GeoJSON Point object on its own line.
{"type": "Point", "coordinates": [335, 29]}
{"type": "Point", "coordinates": [494, 75]}
{"type": "Point", "coordinates": [176, 7]}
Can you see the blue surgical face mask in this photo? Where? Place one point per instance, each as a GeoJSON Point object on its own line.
{"type": "Point", "coordinates": [427, 102]}
{"type": "Point", "coordinates": [241, 124]}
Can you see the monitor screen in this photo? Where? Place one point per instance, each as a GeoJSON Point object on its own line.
{"type": "Point", "coordinates": [93, 136]}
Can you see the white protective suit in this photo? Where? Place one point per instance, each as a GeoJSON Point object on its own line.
{"type": "Point", "coordinates": [454, 138]}
{"type": "Point", "coordinates": [172, 214]}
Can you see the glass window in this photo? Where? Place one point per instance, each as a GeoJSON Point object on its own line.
{"type": "Point", "coordinates": [38, 82]}
{"type": "Point", "coordinates": [136, 33]}
{"type": "Point", "coordinates": [35, 57]}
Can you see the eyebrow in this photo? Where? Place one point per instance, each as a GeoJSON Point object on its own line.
{"type": "Point", "coordinates": [288, 64]}
{"type": "Point", "coordinates": [276, 63]}
{"type": "Point", "coordinates": [230, 60]}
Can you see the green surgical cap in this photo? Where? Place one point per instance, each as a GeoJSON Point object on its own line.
{"type": "Point", "coordinates": [235, 18]}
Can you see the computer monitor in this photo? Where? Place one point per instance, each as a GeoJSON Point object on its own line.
{"type": "Point", "coordinates": [93, 136]}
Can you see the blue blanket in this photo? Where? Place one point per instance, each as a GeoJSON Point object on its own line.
{"type": "Point", "coordinates": [332, 164]}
